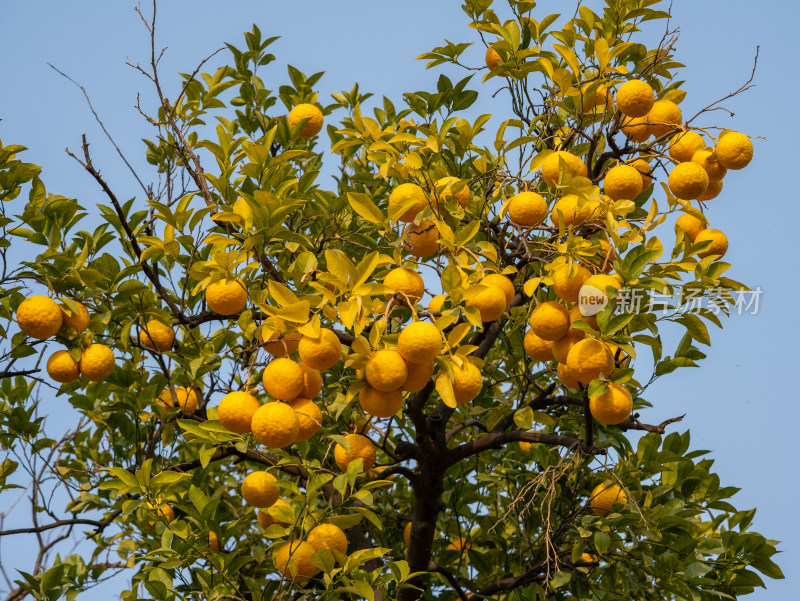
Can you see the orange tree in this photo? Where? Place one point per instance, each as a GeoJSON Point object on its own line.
{"type": "Point", "coordinates": [425, 380]}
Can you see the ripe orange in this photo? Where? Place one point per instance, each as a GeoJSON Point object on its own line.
{"type": "Point", "coordinates": [689, 224]}
{"type": "Point", "coordinates": [613, 406]}
{"type": "Point", "coordinates": [419, 342]}
{"type": "Point", "coordinates": [590, 359]}
{"type": "Point", "coordinates": [567, 207]}
{"type": "Point", "coordinates": [491, 302]}
{"type": "Point", "coordinates": [568, 286]}
{"type": "Point", "coordinates": [62, 367]}
{"type": "Point", "coordinates": [492, 58]}
{"type": "Point", "coordinates": [708, 161]}
{"type": "Point", "coordinates": [320, 353]}
{"type": "Point", "coordinates": [498, 280]}
{"type": "Point", "coordinates": [664, 117]}
{"type": "Point", "coordinates": [386, 370]}
{"type": "Point", "coordinates": [443, 190]}
{"type": "Point", "coordinates": [259, 489]}
{"type": "Point", "coordinates": [713, 190]}
{"type": "Point", "coordinates": [235, 411]}
{"type": "Point", "coordinates": [419, 374]}
{"type": "Point", "coordinates": [79, 320]}
{"type": "Point", "coordinates": [468, 382]}
{"type": "Point", "coordinates": [360, 448]}
{"type": "Point", "coordinates": [309, 418]}
{"type": "Point", "coordinates": [734, 150]}
{"type": "Point", "coordinates": [623, 182]}
{"type": "Point", "coordinates": [635, 129]}
{"type": "Point", "coordinates": [283, 346]}
{"type": "Point", "coordinates": [39, 317]}
{"type": "Point", "coordinates": [328, 536]}
{"type": "Point", "coordinates": [684, 145]}
{"type": "Point", "coordinates": [422, 240]}
{"type": "Point", "coordinates": [293, 560]}
{"type": "Point", "coordinates": [562, 346]}
{"type": "Point", "coordinates": [97, 362]}
{"type": "Point", "coordinates": [550, 321]}
{"type": "Point", "coordinates": [265, 518]}
{"type": "Point", "coordinates": [226, 298]}
{"type": "Point", "coordinates": [551, 165]}
{"type": "Point", "coordinates": [306, 111]}
{"type": "Point", "coordinates": [405, 192]}
{"type": "Point", "coordinates": [275, 425]}
{"type": "Point", "coordinates": [405, 282]}
{"type": "Point", "coordinates": [687, 181]}
{"type": "Point", "coordinates": [181, 396]}
{"type": "Point", "coordinates": [312, 382]}
{"type": "Point", "coordinates": [527, 209]}
{"type": "Point", "coordinates": [380, 403]}
{"type": "Point", "coordinates": [718, 246]}
{"type": "Point", "coordinates": [635, 98]}
{"type": "Point", "coordinates": [156, 336]}
{"type": "Point", "coordinates": [605, 496]}
{"type": "Point", "coordinates": [537, 348]}
{"type": "Point", "coordinates": [283, 379]}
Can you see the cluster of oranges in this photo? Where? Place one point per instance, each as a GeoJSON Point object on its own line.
{"type": "Point", "coordinates": [41, 317]}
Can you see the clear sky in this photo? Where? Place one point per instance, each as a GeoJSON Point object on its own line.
{"type": "Point", "coordinates": [742, 403]}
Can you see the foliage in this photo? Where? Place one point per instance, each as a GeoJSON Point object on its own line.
{"type": "Point", "coordinates": [241, 196]}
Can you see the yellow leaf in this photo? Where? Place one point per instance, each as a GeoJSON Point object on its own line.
{"type": "Point", "coordinates": [367, 209]}
{"type": "Point", "coordinates": [282, 294]}
{"type": "Point", "coordinates": [445, 389]}
{"type": "Point", "coordinates": [296, 313]}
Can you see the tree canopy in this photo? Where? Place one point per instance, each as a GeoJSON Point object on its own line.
{"type": "Point", "coordinates": [423, 377]}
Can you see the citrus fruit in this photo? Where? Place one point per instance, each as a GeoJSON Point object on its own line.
{"type": "Point", "coordinates": [79, 320]}
{"type": "Point", "coordinates": [459, 545]}
{"type": "Point", "coordinates": [309, 418]}
{"type": "Point", "coordinates": [185, 398]}
{"type": "Point", "coordinates": [590, 359]}
{"type": "Point", "coordinates": [62, 367]}
{"type": "Point", "coordinates": [226, 298]}
{"type": "Point", "coordinates": [664, 117]}
{"type": "Point", "coordinates": [562, 346]}
{"type": "Point", "coordinates": [386, 370]}
{"type": "Point", "coordinates": [306, 111]}
{"type": "Point", "coordinates": [275, 425]}
{"type": "Point", "coordinates": [419, 374]}
{"type": "Point", "coordinates": [708, 161]}
{"type": "Point", "coordinates": [266, 519]}
{"type": "Point", "coordinates": [635, 98]}
{"type": "Point", "coordinates": [97, 362]}
{"type": "Point", "coordinates": [551, 165]}
{"type": "Point", "coordinates": [689, 224]}
{"type": "Point", "coordinates": [322, 352]}
{"type": "Point", "coordinates": [567, 207]}
{"type": "Point", "coordinates": [467, 383]}
{"type": "Point", "coordinates": [734, 150]}
{"type": "Point", "coordinates": [213, 543]}
{"type": "Point", "coordinates": [537, 348]}
{"type": "Point", "coordinates": [492, 58]}
{"type": "Point", "coordinates": [549, 321]}
{"type": "Point", "coordinates": [567, 376]}
{"type": "Point", "coordinates": [39, 317]}
{"type": "Point", "coordinates": [444, 188]}
{"type": "Point", "coordinates": [293, 560]}
{"type": "Point", "coordinates": [635, 129]}
{"type": "Point", "coordinates": [602, 281]}
{"type": "Point", "coordinates": [644, 170]}
{"type": "Point", "coordinates": [422, 240]}
{"type": "Point", "coordinates": [491, 302]}
{"type": "Point", "coordinates": [498, 280]}
{"type": "Point", "coordinates": [405, 282]}
{"type": "Point", "coordinates": [527, 209]}
{"type": "Point", "coordinates": [235, 411]}
{"type": "Point", "coordinates": [599, 99]}
{"type": "Point", "coordinates": [605, 496]}
{"type": "Point", "coordinates": [380, 403]}
{"type": "Point", "coordinates": [328, 536]}
{"type": "Point", "coordinates": [687, 181]}
{"type": "Point", "coordinates": [613, 406]}
{"type": "Point", "coordinates": [419, 342]}
{"type": "Point", "coordinates": [683, 145]}
{"type": "Point", "coordinates": [283, 379]}
{"type": "Point", "coordinates": [718, 246]}
{"type": "Point", "coordinates": [259, 489]}
{"type": "Point", "coordinates": [312, 382]}
{"type": "Point", "coordinates": [575, 315]}
{"type": "Point", "coordinates": [360, 448]}
{"type": "Point", "coordinates": [282, 346]}
{"type": "Point", "coordinates": [156, 336]}
{"type": "Point", "coordinates": [161, 510]}
{"type": "Point", "coordinates": [623, 182]}
{"type": "Point", "coordinates": [568, 286]}
{"type": "Point", "coordinates": [713, 190]}
{"type": "Point", "coordinates": [405, 192]}
{"type": "Point", "coordinates": [524, 446]}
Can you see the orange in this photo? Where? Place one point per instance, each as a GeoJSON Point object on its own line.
{"type": "Point", "coordinates": [408, 191]}
{"type": "Point", "coordinates": [421, 240]}
{"type": "Point", "coordinates": [419, 374]}
{"type": "Point", "coordinates": [689, 224]}
{"type": "Point", "coordinates": [293, 560]}
{"type": "Point", "coordinates": [590, 359]}
{"type": "Point", "coordinates": [492, 59]}
{"type": "Point", "coordinates": [380, 403]}
{"type": "Point", "coordinates": [527, 209]}
{"type": "Point", "coordinates": [275, 425]}
{"type": "Point", "coordinates": [623, 182]}
{"type": "Point", "coordinates": [97, 362]}
{"type": "Point", "coordinates": [306, 111]}
{"type": "Point", "coordinates": [62, 367]}
{"type": "Point", "coordinates": [567, 376]}
{"type": "Point", "coordinates": [613, 406]}
{"type": "Point", "coordinates": [259, 489]}
{"type": "Point", "coordinates": [549, 321]}
{"type": "Point", "coordinates": [687, 181]}
{"type": "Point", "coordinates": [328, 536]}
{"type": "Point", "coordinates": [265, 519]}
{"type": "Point", "coordinates": [312, 382]}
{"type": "Point", "coordinates": [708, 161]}
{"type": "Point", "coordinates": [320, 353]}
{"type": "Point", "coordinates": [537, 348]}
{"type": "Point", "coordinates": [605, 496]}
{"type": "Point", "coordinates": [490, 302]}
{"type": "Point", "coordinates": [644, 170]}
{"type": "Point", "coordinates": [226, 298]}
{"type": "Point", "coordinates": [734, 150]}
{"type": "Point", "coordinates": [156, 336]}
{"type": "Point", "coordinates": [419, 342]}
{"type": "Point", "coordinates": [309, 418]}
{"type": "Point", "coordinates": [635, 98]}
{"type": "Point", "coordinates": [39, 317]}
{"type": "Point", "coordinates": [235, 411]}
{"type": "Point", "coordinates": [718, 246]}
{"type": "Point", "coordinates": [185, 398]}
{"type": "Point", "coordinates": [79, 320]}
{"type": "Point", "coordinates": [567, 207]}
{"type": "Point", "coordinates": [635, 129]}
{"type": "Point", "coordinates": [468, 382]}
{"type": "Point", "coordinates": [498, 280]}
{"type": "Point", "coordinates": [444, 188]}
{"type": "Point", "coordinates": [568, 286]}
{"type": "Point", "coordinates": [576, 315]}
{"type": "Point", "coordinates": [713, 190]}
{"type": "Point", "coordinates": [283, 346]}
{"type": "Point", "coordinates": [283, 379]}
{"type": "Point", "coordinates": [551, 165]}
{"type": "Point", "coordinates": [683, 145]}
{"type": "Point", "coordinates": [664, 117]}
{"type": "Point", "coordinates": [562, 346]}
{"type": "Point", "coordinates": [386, 370]}
{"type": "Point", "coordinates": [361, 447]}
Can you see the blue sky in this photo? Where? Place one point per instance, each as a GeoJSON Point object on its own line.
{"type": "Point", "coordinates": [741, 404]}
